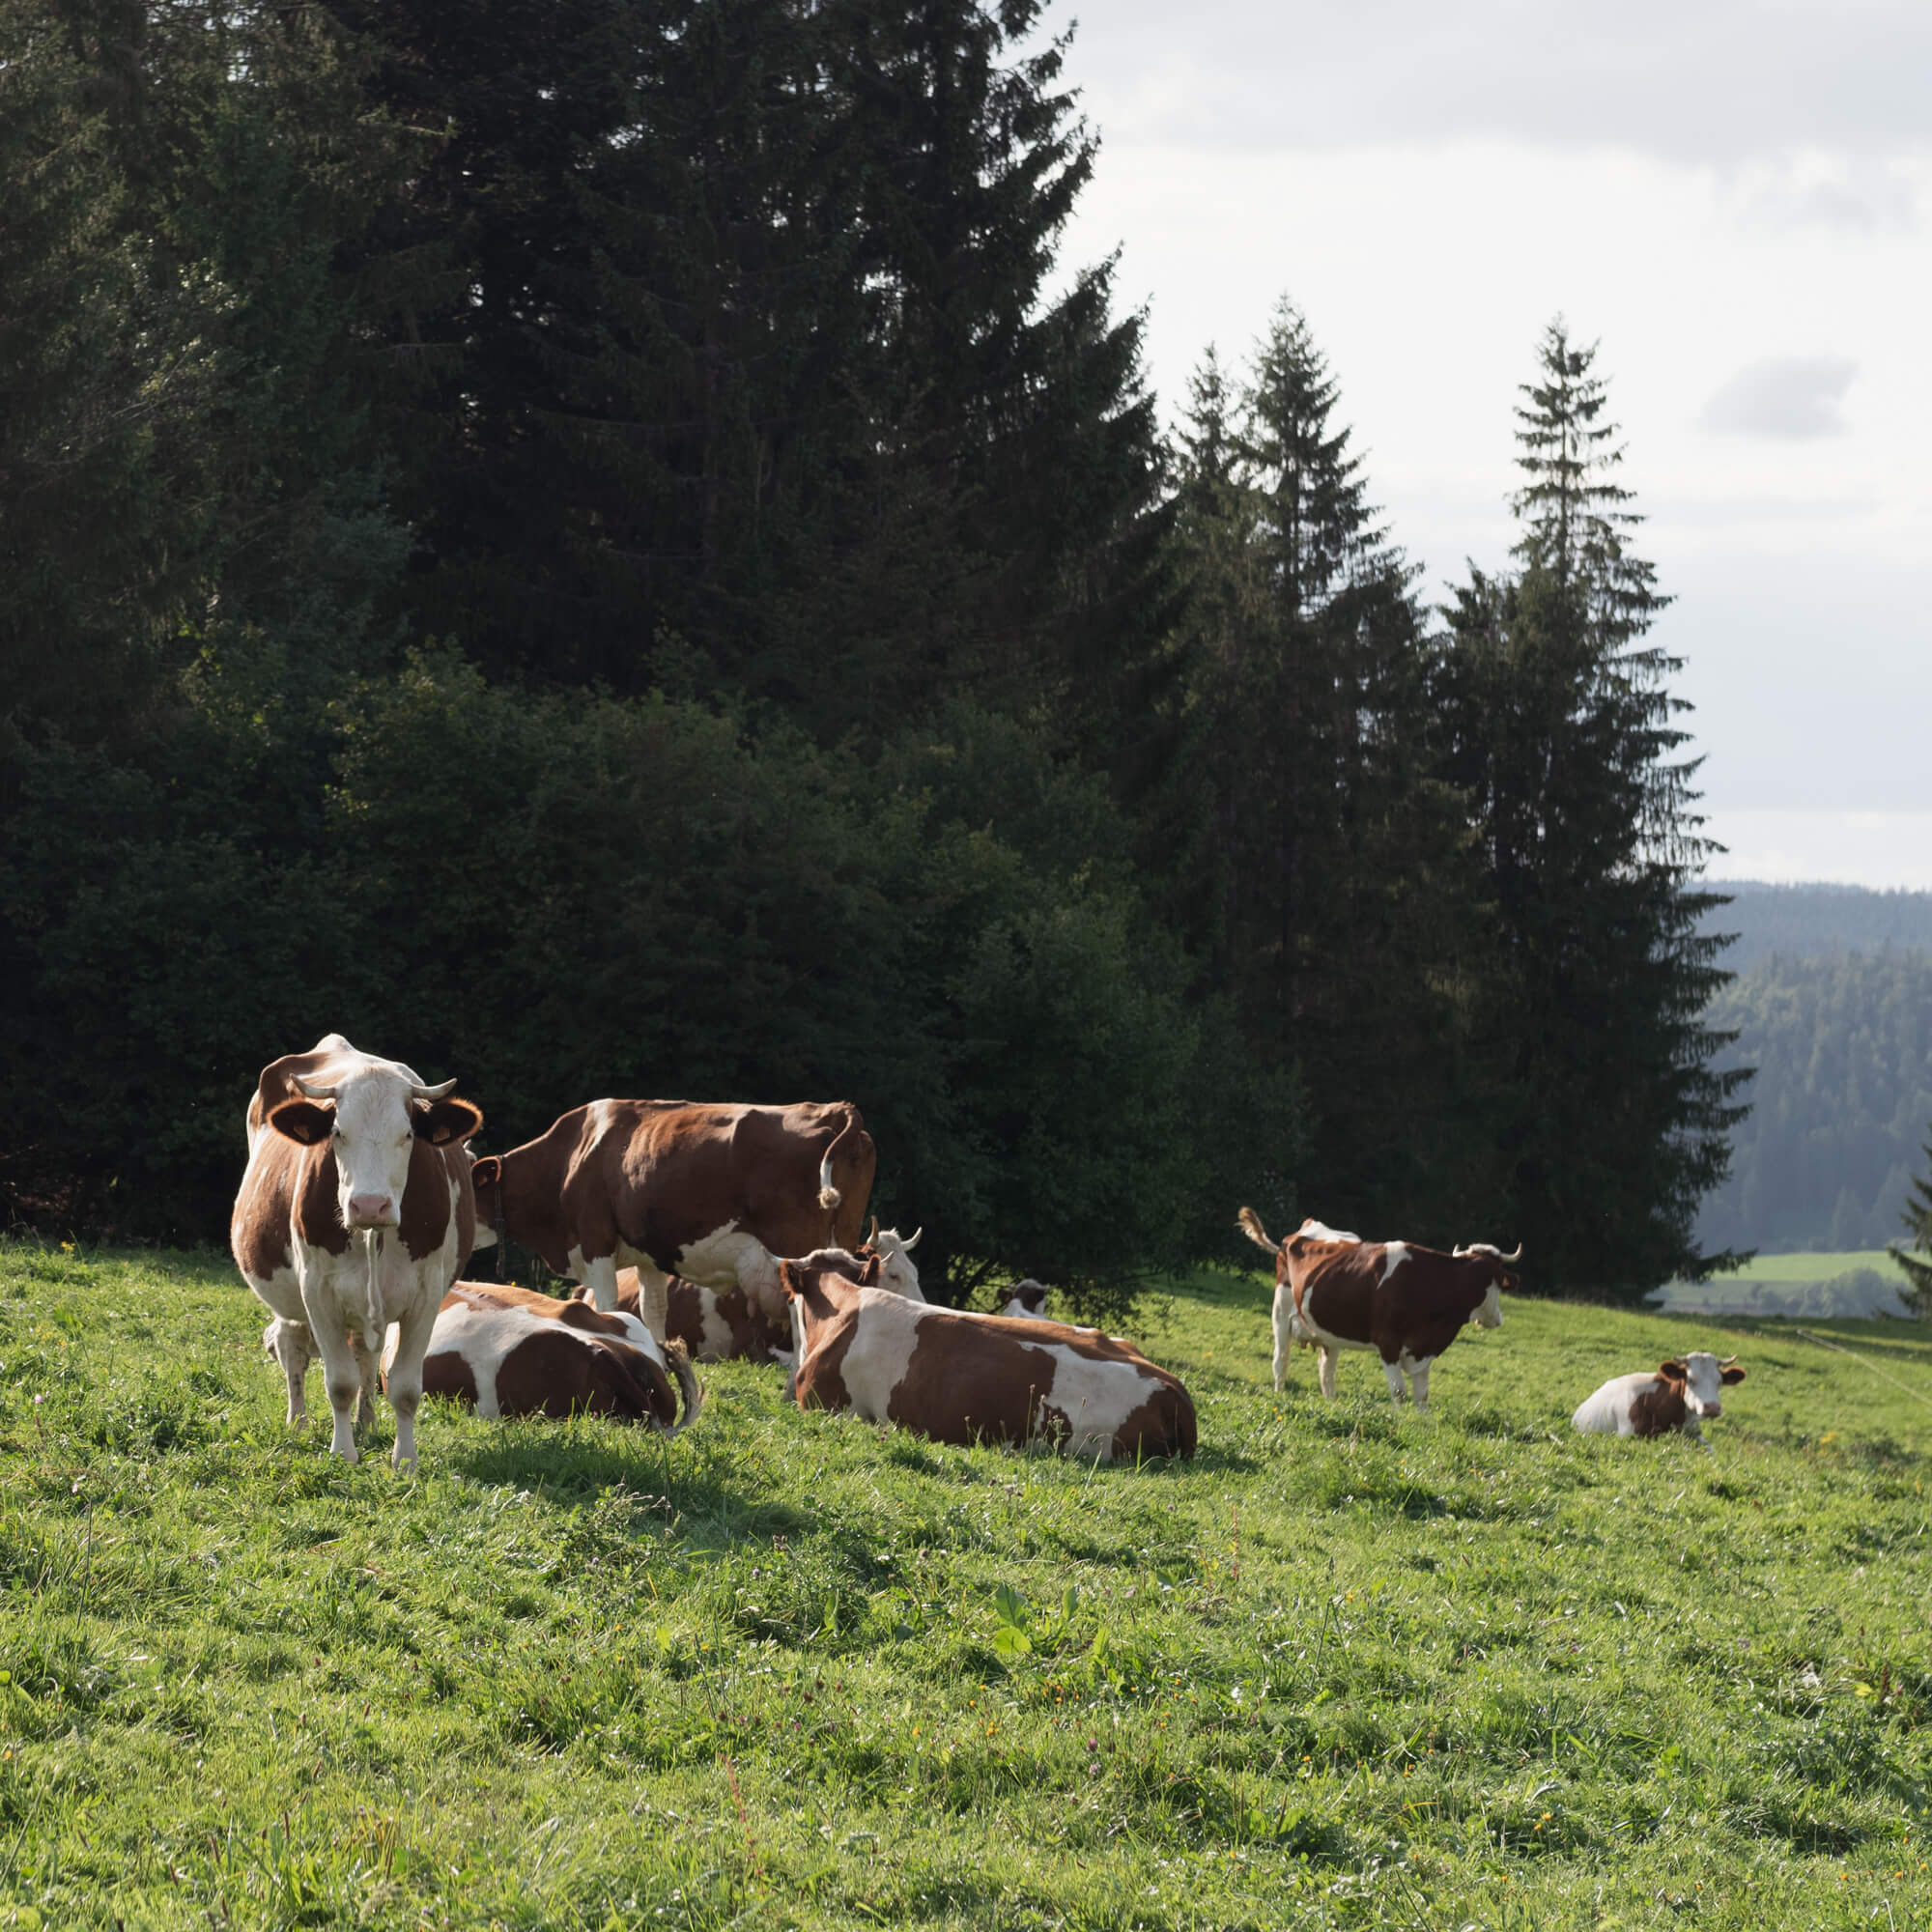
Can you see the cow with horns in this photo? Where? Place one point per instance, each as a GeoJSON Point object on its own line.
{"type": "Point", "coordinates": [355, 1211]}
{"type": "Point", "coordinates": [1408, 1303]}
{"type": "Point", "coordinates": [1676, 1397]}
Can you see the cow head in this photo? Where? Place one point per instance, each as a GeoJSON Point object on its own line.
{"type": "Point", "coordinates": [1701, 1376]}
{"type": "Point", "coordinates": [1025, 1298]}
{"type": "Point", "coordinates": [896, 1271]}
{"type": "Point", "coordinates": [1488, 1313]}
{"type": "Point", "coordinates": [371, 1119]}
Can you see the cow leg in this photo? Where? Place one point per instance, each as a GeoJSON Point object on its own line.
{"type": "Point", "coordinates": [1326, 1360]}
{"type": "Point", "coordinates": [365, 1398]}
{"type": "Point", "coordinates": [1393, 1371]}
{"type": "Point", "coordinates": [290, 1345]}
{"type": "Point", "coordinates": [1283, 1340]}
{"type": "Point", "coordinates": [341, 1373]}
{"type": "Point", "coordinates": [1418, 1382]}
{"type": "Point", "coordinates": [406, 1375]}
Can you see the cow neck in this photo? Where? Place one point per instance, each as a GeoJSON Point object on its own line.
{"type": "Point", "coordinates": [533, 1219]}
{"type": "Point", "coordinates": [820, 1304]}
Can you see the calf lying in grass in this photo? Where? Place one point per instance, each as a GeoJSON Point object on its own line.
{"type": "Point", "coordinates": [1674, 1398]}
{"type": "Point", "coordinates": [512, 1351]}
{"type": "Point", "coordinates": [959, 1376]}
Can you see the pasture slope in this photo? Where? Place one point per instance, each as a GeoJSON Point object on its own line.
{"type": "Point", "coordinates": [1343, 1670]}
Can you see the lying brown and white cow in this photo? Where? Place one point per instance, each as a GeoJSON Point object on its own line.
{"type": "Point", "coordinates": [732, 1325]}
{"type": "Point", "coordinates": [671, 1187]}
{"type": "Point", "coordinates": [959, 1376]}
{"type": "Point", "coordinates": [1676, 1397]}
{"type": "Point", "coordinates": [1408, 1303]}
{"type": "Point", "coordinates": [355, 1211]}
{"type": "Point", "coordinates": [509, 1350]}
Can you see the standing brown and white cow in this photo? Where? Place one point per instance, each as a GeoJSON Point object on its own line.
{"type": "Point", "coordinates": [712, 1193]}
{"type": "Point", "coordinates": [508, 1351]}
{"type": "Point", "coordinates": [964, 1378]}
{"type": "Point", "coordinates": [356, 1210]}
{"type": "Point", "coordinates": [1408, 1303]}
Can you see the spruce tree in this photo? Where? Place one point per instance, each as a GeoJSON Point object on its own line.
{"type": "Point", "coordinates": [1608, 1120]}
{"type": "Point", "coordinates": [1915, 1261]}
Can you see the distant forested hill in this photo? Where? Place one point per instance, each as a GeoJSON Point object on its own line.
{"type": "Point", "coordinates": [1806, 921]}
{"type": "Point", "coordinates": [1833, 1006]}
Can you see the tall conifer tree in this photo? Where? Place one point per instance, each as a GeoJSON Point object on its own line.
{"type": "Point", "coordinates": [1610, 1122]}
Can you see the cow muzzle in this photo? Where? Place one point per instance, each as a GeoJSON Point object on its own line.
{"type": "Point", "coordinates": [367, 1212]}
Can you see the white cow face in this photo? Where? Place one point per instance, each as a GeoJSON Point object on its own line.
{"type": "Point", "coordinates": [372, 1128]}
{"type": "Point", "coordinates": [896, 1271]}
{"type": "Point", "coordinates": [1488, 1312]}
{"type": "Point", "coordinates": [1704, 1378]}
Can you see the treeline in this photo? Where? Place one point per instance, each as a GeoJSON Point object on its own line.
{"type": "Point", "coordinates": [1809, 922]}
{"type": "Point", "coordinates": [1841, 1102]}
{"type": "Point", "coordinates": [596, 549]}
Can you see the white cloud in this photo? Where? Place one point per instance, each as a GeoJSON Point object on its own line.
{"type": "Point", "coordinates": [1885, 849]}
{"type": "Point", "coordinates": [1797, 396]}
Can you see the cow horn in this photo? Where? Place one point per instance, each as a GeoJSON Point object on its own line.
{"type": "Point", "coordinates": [912, 1241]}
{"type": "Point", "coordinates": [871, 1239]}
{"type": "Point", "coordinates": [313, 1092]}
{"type": "Point", "coordinates": [433, 1092]}
{"type": "Point", "coordinates": [1727, 1361]}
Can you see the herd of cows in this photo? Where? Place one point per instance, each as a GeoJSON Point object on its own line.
{"type": "Point", "coordinates": [700, 1233]}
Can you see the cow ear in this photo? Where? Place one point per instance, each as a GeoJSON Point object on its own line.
{"type": "Point", "coordinates": [791, 1279]}
{"type": "Point", "coordinates": [447, 1121]}
{"type": "Point", "coordinates": [1673, 1371]}
{"type": "Point", "coordinates": [1507, 1282]}
{"type": "Point", "coordinates": [1732, 1376]}
{"type": "Point", "coordinates": [305, 1121]}
{"type": "Point", "coordinates": [868, 1275]}
{"type": "Point", "coordinates": [486, 1171]}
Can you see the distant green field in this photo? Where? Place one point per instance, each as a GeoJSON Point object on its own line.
{"type": "Point", "coordinates": [1347, 1669]}
{"type": "Point", "coordinates": [1816, 1267]}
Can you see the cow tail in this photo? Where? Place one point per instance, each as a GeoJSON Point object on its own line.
{"type": "Point", "coordinates": [679, 1358]}
{"type": "Point", "coordinates": [828, 1197]}
{"type": "Point", "coordinates": [1250, 1224]}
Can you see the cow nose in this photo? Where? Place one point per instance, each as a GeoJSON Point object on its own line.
{"type": "Point", "coordinates": [371, 1210]}
{"type": "Point", "coordinates": [1714, 1408]}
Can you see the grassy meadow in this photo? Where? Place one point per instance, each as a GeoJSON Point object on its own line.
{"type": "Point", "coordinates": [1344, 1669]}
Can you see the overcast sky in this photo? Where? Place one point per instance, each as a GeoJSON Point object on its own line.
{"type": "Point", "coordinates": [1734, 200]}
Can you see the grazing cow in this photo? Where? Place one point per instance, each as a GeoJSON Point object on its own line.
{"type": "Point", "coordinates": [958, 1376]}
{"type": "Point", "coordinates": [1676, 1397]}
{"type": "Point", "coordinates": [511, 1352]}
{"type": "Point", "coordinates": [1026, 1298]}
{"type": "Point", "coordinates": [1334, 1291]}
{"type": "Point", "coordinates": [712, 1193]}
{"type": "Point", "coordinates": [356, 1210]}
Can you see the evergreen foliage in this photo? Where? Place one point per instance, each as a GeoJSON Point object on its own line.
{"type": "Point", "coordinates": [1610, 1122]}
{"type": "Point", "coordinates": [601, 548]}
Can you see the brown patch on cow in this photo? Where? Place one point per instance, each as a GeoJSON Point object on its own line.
{"type": "Point", "coordinates": [425, 1213]}
{"type": "Point", "coordinates": [962, 1394]}
{"type": "Point", "coordinates": [1163, 1424]}
{"type": "Point", "coordinates": [446, 1373]}
{"type": "Point", "coordinates": [259, 1229]}
{"type": "Point", "coordinates": [560, 1375]}
{"type": "Point", "coordinates": [318, 1215]}
{"type": "Point", "coordinates": [1658, 1411]}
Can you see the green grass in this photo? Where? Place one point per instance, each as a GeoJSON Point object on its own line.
{"type": "Point", "coordinates": [1344, 1669]}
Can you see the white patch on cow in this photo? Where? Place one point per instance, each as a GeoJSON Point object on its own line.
{"type": "Point", "coordinates": [1319, 1231]}
{"type": "Point", "coordinates": [1393, 1257]}
{"type": "Point", "coordinates": [728, 1258]}
{"type": "Point", "coordinates": [715, 1333]}
{"type": "Point", "coordinates": [1094, 1397]}
{"type": "Point", "coordinates": [1417, 1373]}
{"type": "Point", "coordinates": [1607, 1411]}
{"type": "Point", "coordinates": [1488, 1312]}
{"type": "Point", "coordinates": [484, 1338]}
{"type": "Point", "coordinates": [1393, 1371]}
{"type": "Point", "coordinates": [883, 1340]}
